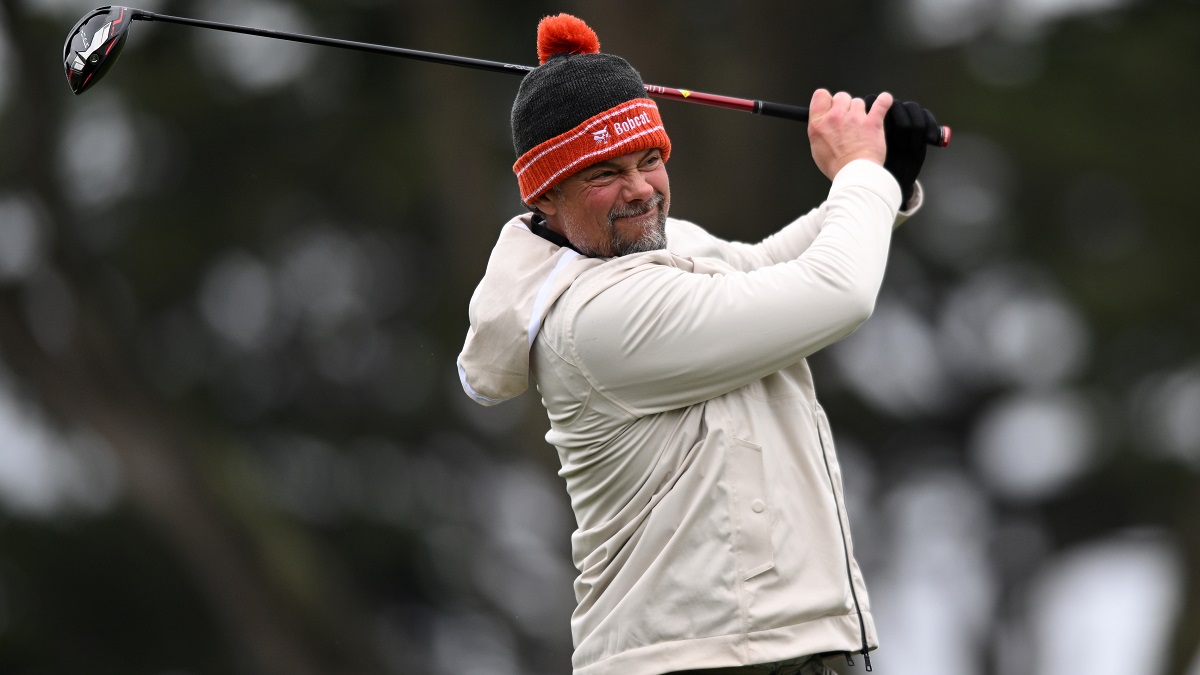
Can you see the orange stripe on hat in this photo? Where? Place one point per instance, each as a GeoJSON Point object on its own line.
{"type": "Point", "coordinates": [628, 127]}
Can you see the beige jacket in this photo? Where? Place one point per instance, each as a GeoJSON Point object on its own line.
{"type": "Point", "coordinates": [701, 469]}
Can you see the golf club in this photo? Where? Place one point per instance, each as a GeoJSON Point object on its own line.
{"type": "Point", "coordinates": [94, 43]}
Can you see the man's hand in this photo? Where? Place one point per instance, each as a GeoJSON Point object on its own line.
{"type": "Point", "coordinates": [905, 129]}
{"type": "Point", "coordinates": [840, 130]}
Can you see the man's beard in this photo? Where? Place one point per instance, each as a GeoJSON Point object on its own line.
{"type": "Point", "coordinates": [652, 238]}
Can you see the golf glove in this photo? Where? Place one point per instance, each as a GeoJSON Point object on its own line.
{"type": "Point", "coordinates": [905, 129]}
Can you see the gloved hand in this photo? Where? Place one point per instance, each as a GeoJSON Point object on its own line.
{"type": "Point", "coordinates": [904, 129]}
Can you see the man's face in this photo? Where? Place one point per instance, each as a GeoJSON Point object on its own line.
{"type": "Point", "coordinates": [613, 208]}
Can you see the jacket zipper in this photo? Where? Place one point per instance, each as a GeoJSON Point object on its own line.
{"type": "Point", "coordinates": [862, 625]}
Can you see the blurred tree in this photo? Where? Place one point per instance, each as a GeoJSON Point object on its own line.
{"type": "Point", "coordinates": [239, 269]}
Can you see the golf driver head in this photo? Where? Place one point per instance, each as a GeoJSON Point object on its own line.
{"type": "Point", "coordinates": [93, 45]}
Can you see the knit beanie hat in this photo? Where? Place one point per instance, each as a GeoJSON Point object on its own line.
{"type": "Point", "coordinates": [577, 108]}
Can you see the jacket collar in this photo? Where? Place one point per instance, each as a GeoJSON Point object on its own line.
{"type": "Point", "coordinates": [538, 226]}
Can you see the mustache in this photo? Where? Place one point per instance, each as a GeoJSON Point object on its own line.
{"type": "Point", "coordinates": [634, 210]}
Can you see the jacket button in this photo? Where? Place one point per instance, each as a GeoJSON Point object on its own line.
{"type": "Point", "coordinates": [758, 506]}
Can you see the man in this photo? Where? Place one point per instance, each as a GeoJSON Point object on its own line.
{"type": "Point", "coordinates": [712, 534]}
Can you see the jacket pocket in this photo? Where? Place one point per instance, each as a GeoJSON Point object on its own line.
{"type": "Point", "coordinates": [750, 509]}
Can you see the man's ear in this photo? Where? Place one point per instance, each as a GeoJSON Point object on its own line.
{"type": "Point", "coordinates": [546, 203]}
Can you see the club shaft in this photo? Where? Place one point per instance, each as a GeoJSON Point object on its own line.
{"type": "Point", "coordinates": [939, 136]}
{"type": "Point", "coordinates": [432, 57]}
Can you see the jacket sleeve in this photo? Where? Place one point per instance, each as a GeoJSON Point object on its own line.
{"type": "Point", "coordinates": [663, 338]}
{"type": "Point", "coordinates": [786, 244]}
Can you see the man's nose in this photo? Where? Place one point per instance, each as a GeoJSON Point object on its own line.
{"type": "Point", "coordinates": [637, 188]}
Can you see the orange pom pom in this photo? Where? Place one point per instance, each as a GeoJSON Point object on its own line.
{"type": "Point", "coordinates": [565, 34]}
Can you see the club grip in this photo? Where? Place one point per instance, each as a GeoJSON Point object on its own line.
{"type": "Point", "coordinates": [938, 136]}
{"type": "Point", "coordinates": [790, 112]}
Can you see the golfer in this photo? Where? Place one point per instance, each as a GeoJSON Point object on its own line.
{"type": "Point", "coordinates": [712, 531]}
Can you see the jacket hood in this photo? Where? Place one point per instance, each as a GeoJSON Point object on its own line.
{"type": "Point", "coordinates": [525, 275]}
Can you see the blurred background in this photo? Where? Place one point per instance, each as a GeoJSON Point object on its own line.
{"type": "Point", "coordinates": [234, 279]}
